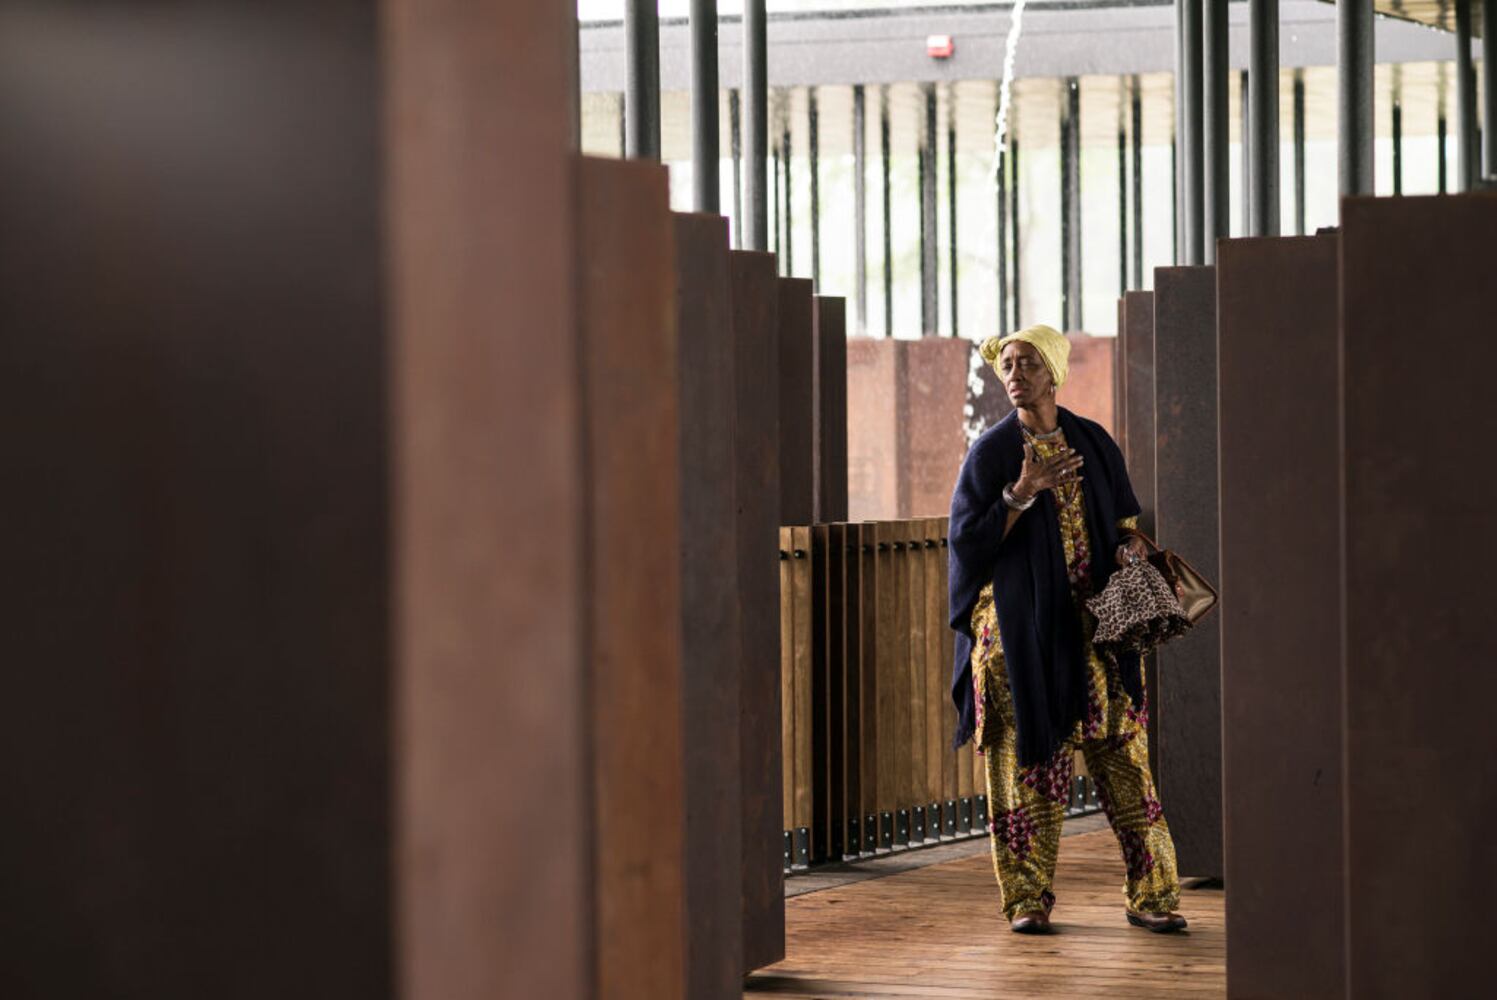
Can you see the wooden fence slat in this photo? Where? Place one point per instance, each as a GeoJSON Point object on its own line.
{"type": "Point", "coordinates": [787, 673]}
{"type": "Point", "coordinates": [849, 706]}
{"type": "Point", "coordinates": [893, 725]}
{"type": "Point", "coordinates": [823, 656]}
{"type": "Point", "coordinates": [943, 774]}
{"type": "Point", "coordinates": [868, 748]}
{"type": "Point", "coordinates": [912, 556]}
{"type": "Point", "coordinates": [801, 569]}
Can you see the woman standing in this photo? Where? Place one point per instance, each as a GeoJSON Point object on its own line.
{"type": "Point", "coordinates": [1042, 514]}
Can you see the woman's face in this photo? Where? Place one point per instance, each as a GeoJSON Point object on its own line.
{"type": "Point", "coordinates": [1025, 377]}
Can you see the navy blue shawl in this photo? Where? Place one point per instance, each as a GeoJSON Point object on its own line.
{"type": "Point", "coordinates": [1043, 647]}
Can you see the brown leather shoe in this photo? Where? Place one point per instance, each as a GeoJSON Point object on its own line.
{"type": "Point", "coordinates": [1159, 923]}
{"type": "Point", "coordinates": [1031, 922]}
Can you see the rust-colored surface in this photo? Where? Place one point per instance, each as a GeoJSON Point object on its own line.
{"type": "Point", "coordinates": [912, 408]}
{"type": "Point", "coordinates": [627, 303]}
{"type": "Point", "coordinates": [875, 385]}
{"type": "Point", "coordinates": [830, 444]}
{"type": "Point", "coordinates": [755, 303]}
{"type": "Point", "coordinates": [711, 668]}
{"type": "Point", "coordinates": [197, 719]}
{"type": "Point", "coordinates": [797, 401]}
{"type": "Point", "coordinates": [1417, 295]}
{"type": "Point", "coordinates": [1189, 669]}
{"type": "Point", "coordinates": [934, 426]}
{"type": "Point", "coordinates": [1280, 614]}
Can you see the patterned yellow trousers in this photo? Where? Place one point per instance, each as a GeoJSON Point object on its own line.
{"type": "Point", "coordinates": [1027, 805]}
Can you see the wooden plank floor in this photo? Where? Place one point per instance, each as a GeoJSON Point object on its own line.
{"type": "Point", "coordinates": [938, 932]}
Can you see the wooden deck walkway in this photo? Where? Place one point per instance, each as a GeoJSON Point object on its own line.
{"type": "Point", "coordinates": [938, 932]}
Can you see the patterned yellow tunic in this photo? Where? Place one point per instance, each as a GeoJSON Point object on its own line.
{"type": "Point", "coordinates": [1027, 805]}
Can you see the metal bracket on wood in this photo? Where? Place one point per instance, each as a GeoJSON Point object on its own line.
{"type": "Point", "coordinates": [902, 828]}
{"type": "Point", "coordinates": [964, 816]}
{"type": "Point", "coordinates": [802, 848]}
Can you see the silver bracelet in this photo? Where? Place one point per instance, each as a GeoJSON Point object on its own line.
{"type": "Point", "coordinates": [1014, 503]}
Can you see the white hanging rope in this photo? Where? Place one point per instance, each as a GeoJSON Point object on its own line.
{"type": "Point", "coordinates": [1009, 51]}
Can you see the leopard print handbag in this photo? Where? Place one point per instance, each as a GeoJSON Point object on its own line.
{"type": "Point", "coordinates": [1137, 611]}
{"type": "Point", "coordinates": [1149, 602]}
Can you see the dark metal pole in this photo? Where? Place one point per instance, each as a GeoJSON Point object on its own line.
{"type": "Point", "coordinates": [1122, 206]}
{"type": "Point", "coordinates": [1442, 132]}
{"type": "Point", "coordinates": [1245, 168]}
{"type": "Point", "coordinates": [860, 205]}
{"type": "Point", "coordinates": [883, 131]}
{"type": "Point", "coordinates": [1299, 152]}
{"type": "Point", "coordinates": [1004, 166]}
{"type": "Point", "coordinates": [813, 121]}
{"type": "Point", "coordinates": [1177, 203]}
{"type": "Point", "coordinates": [642, 75]}
{"type": "Point", "coordinates": [786, 160]}
{"type": "Point", "coordinates": [1013, 218]}
{"type": "Point", "coordinates": [1138, 185]}
{"type": "Point", "coordinates": [1397, 138]}
{"type": "Point", "coordinates": [779, 237]}
{"type": "Point", "coordinates": [1070, 205]}
{"type": "Point", "coordinates": [951, 203]}
{"type": "Point", "coordinates": [1216, 90]}
{"type": "Point", "coordinates": [1489, 86]}
{"type": "Point", "coordinates": [1192, 139]}
{"type": "Point", "coordinates": [705, 129]}
{"type": "Point", "coordinates": [623, 130]}
{"type": "Point", "coordinates": [756, 132]}
{"type": "Point", "coordinates": [1262, 134]}
{"type": "Point", "coordinates": [930, 319]}
{"type": "Point", "coordinates": [1465, 97]}
{"type": "Point", "coordinates": [735, 127]}
{"type": "Point", "coordinates": [1354, 81]}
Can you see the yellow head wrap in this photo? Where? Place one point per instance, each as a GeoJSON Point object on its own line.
{"type": "Point", "coordinates": [1054, 349]}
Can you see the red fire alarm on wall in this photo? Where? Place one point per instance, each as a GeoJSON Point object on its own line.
{"type": "Point", "coordinates": [939, 46]}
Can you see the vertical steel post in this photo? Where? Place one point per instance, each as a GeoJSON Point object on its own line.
{"type": "Point", "coordinates": [1013, 219]}
{"type": "Point", "coordinates": [883, 132]}
{"type": "Point", "coordinates": [1217, 91]}
{"type": "Point", "coordinates": [1122, 205]}
{"type": "Point", "coordinates": [779, 232]}
{"type": "Point", "coordinates": [930, 318]}
{"type": "Point", "coordinates": [1397, 141]}
{"type": "Point", "coordinates": [705, 127]}
{"type": "Point", "coordinates": [951, 203]}
{"type": "Point", "coordinates": [1138, 185]}
{"type": "Point", "coordinates": [1465, 97]}
{"type": "Point", "coordinates": [1354, 101]}
{"type": "Point", "coordinates": [1071, 203]}
{"type": "Point", "coordinates": [1192, 139]}
{"type": "Point", "coordinates": [1442, 133]}
{"type": "Point", "coordinates": [623, 128]}
{"type": "Point", "coordinates": [1262, 133]}
{"type": "Point", "coordinates": [786, 160]}
{"type": "Point", "coordinates": [735, 128]}
{"type": "Point", "coordinates": [1489, 86]}
{"type": "Point", "coordinates": [813, 122]}
{"type": "Point", "coordinates": [860, 206]}
{"type": "Point", "coordinates": [1005, 165]}
{"type": "Point", "coordinates": [1245, 169]}
{"type": "Point", "coordinates": [756, 132]}
{"type": "Point", "coordinates": [1299, 152]}
{"type": "Point", "coordinates": [642, 79]}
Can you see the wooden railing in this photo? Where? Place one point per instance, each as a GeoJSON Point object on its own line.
{"type": "Point", "coordinates": [867, 722]}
